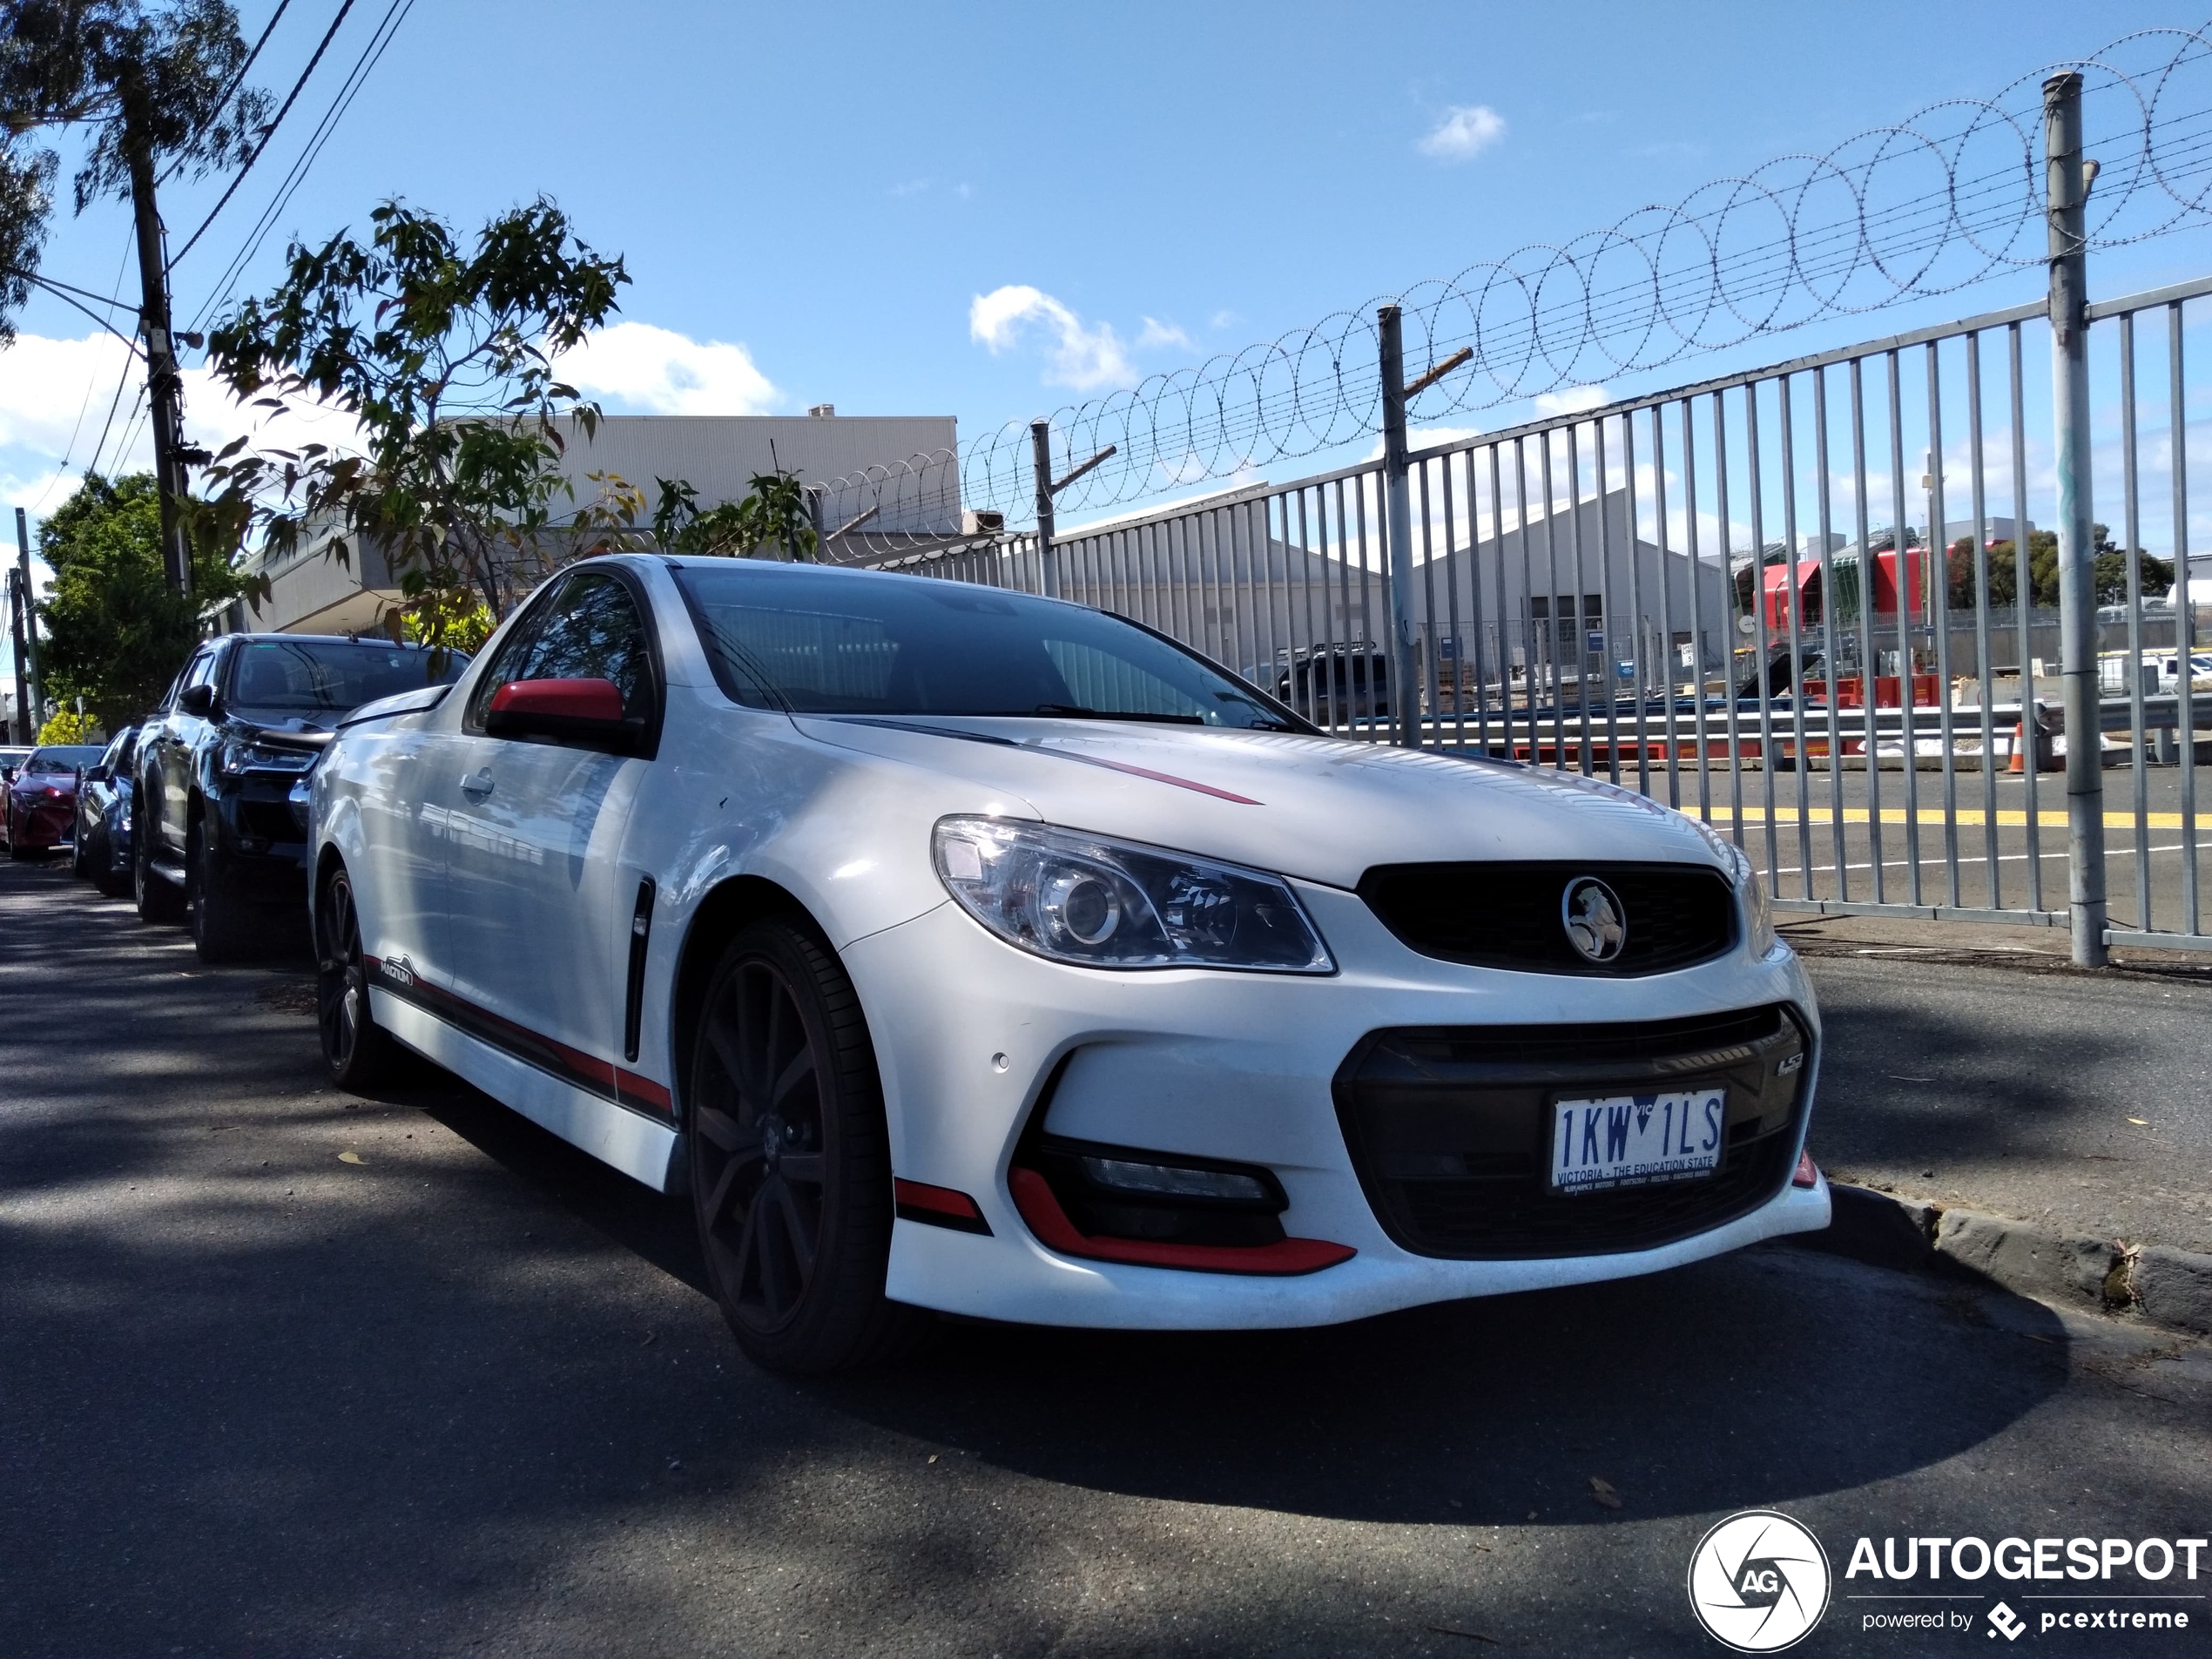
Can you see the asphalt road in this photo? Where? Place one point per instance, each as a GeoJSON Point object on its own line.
{"type": "Point", "coordinates": [462, 1393]}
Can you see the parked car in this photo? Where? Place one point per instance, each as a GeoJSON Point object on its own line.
{"type": "Point", "coordinates": [956, 949]}
{"type": "Point", "coordinates": [42, 797]}
{"type": "Point", "coordinates": [103, 838]}
{"type": "Point", "coordinates": [1331, 682]}
{"type": "Point", "coordinates": [215, 840]}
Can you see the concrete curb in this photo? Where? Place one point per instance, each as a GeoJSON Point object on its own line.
{"type": "Point", "coordinates": [2157, 1283]}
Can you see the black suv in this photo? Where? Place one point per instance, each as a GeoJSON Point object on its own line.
{"type": "Point", "coordinates": [216, 839]}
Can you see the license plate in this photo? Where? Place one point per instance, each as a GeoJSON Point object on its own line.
{"type": "Point", "coordinates": [1637, 1139]}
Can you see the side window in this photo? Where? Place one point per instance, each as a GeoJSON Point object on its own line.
{"type": "Point", "coordinates": [592, 631]}
{"type": "Point", "coordinates": [202, 668]}
{"type": "Point", "coordinates": [508, 665]}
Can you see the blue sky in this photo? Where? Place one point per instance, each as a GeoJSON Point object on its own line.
{"type": "Point", "coordinates": [812, 200]}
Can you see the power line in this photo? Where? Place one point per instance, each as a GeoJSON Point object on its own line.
{"type": "Point", "coordinates": [371, 55]}
{"type": "Point", "coordinates": [291, 97]}
{"type": "Point", "coordinates": [91, 381]}
{"type": "Point", "coordinates": [237, 81]}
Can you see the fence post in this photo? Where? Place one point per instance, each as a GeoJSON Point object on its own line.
{"type": "Point", "coordinates": [2067, 186]}
{"type": "Point", "coordinates": [1397, 532]}
{"type": "Point", "coordinates": [1047, 563]}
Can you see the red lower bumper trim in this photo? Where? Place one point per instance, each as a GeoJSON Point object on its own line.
{"type": "Point", "coordinates": [1808, 1173]}
{"type": "Point", "coordinates": [937, 1207]}
{"type": "Point", "coordinates": [1032, 1197]}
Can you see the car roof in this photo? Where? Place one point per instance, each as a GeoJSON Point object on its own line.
{"type": "Point", "coordinates": [380, 642]}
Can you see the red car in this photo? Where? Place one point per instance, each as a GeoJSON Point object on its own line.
{"type": "Point", "coordinates": [42, 797]}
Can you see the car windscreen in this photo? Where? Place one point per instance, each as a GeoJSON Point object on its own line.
{"type": "Point", "coordinates": [326, 676]}
{"type": "Point", "coordinates": [831, 641]}
{"type": "Point", "coordinates": [66, 757]}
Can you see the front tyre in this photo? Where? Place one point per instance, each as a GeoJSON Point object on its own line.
{"type": "Point", "coordinates": [791, 1160]}
{"type": "Point", "coordinates": [358, 1051]}
{"type": "Point", "coordinates": [159, 901]}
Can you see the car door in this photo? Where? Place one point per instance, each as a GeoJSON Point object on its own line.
{"type": "Point", "coordinates": [537, 905]}
{"type": "Point", "coordinates": [163, 816]}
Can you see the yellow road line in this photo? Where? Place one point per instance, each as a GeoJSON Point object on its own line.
{"type": "Point", "coordinates": [1931, 812]}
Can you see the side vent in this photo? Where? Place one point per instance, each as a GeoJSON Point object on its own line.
{"type": "Point", "coordinates": [633, 1000]}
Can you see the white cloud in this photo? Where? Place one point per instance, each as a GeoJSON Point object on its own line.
{"type": "Point", "coordinates": [1574, 401]}
{"type": "Point", "coordinates": [1464, 133]}
{"type": "Point", "coordinates": [1085, 358]}
{"type": "Point", "coordinates": [1156, 333]}
{"type": "Point", "coordinates": [55, 395]}
{"type": "Point", "coordinates": [657, 371]}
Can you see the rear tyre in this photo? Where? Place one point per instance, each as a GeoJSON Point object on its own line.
{"type": "Point", "coordinates": [791, 1160]}
{"type": "Point", "coordinates": [159, 901]}
{"type": "Point", "coordinates": [220, 932]}
{"type": "Point", "coordinates": [359, 1052]}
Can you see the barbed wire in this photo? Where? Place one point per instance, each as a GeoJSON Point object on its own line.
{"type": "Point", "coordinates": [1952, 196]}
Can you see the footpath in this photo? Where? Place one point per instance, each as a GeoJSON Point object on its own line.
{"type": "Point", "coordinates": [1987, 1108]}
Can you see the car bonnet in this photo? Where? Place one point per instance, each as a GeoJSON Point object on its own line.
{"type": "Point", "coordinates": [1321, 808]}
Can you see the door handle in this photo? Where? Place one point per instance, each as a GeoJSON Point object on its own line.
{"type": "Point", "coordinates": [478, 784]}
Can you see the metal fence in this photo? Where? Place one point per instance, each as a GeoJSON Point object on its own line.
{"type": "Point", "coordinates": [1814, 605]}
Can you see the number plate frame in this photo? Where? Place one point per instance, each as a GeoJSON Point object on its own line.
{"type": "Point", "coordinates": [1666, 1144]}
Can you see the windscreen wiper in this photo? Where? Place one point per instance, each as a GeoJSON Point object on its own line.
{"type": "Point", "coordinates": [1069, 711]}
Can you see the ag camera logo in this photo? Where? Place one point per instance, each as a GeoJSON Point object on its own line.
{"type": "Point", "coordinates": [1758, 1581]}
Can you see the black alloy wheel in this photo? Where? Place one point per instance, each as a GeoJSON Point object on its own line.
{"type": "Point", "coordinates": [220, 933]}
{"type": "Point", "coordinates": [358, 1051]}
{"type": "Point", "coordinates": [790, 1158]}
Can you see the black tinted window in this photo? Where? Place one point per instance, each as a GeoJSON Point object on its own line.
{"type": "Point", "coordinates": [591, 631]}
{"type": "Point", "coordinates": [64, 756]}
{"type": "Point", "coordinates": [322, 676]}
{"type": "Point", "coordinates": [824, 642]}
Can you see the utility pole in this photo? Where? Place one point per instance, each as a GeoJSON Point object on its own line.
{"type": "Point", "coordinates": [1048, 488]}
{"type": "Point", "coordinates": [2066, 184]}
{"type": "Point", "coordinates": [1041, 465]}
{"type": "Point", "coordinates": [1397, 512]}
{"type": "Point", "coordinates": [163, 383]}
{"type": "Point", "coordinates": [24, 731]}
{"type": "Point", "coordinates": [29, 686]}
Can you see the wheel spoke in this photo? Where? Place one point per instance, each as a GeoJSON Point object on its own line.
{"type": "Point", "coordinates": [719, 1128]}
{"type": "Point", "coordinates": [777, 1292]}
{"type": "Point", "coordinates": [801, 1166]}
{"type": "Point", "coordinates": [723, 1183]}
{"type": "Point", "coordinates": [723, 1042]}
{"type": "Point", "coordinates": [799, 1234]}
{"type": "Point", "coordinates": [802, 1066]}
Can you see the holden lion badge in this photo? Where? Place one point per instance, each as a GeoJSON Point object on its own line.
{"type": "Point", "coordinates": [1592, 916]}
{"type": "Point", "coordinates": [1758, 1581]}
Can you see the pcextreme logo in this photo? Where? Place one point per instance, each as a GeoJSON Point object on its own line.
{"type": "Point", "coordinates": [1758, 1581]}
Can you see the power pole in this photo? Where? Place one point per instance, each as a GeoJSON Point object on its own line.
{"type": "Point", "coordinates": [2067, 182]}
{"type": "Point", "coordinates": [30, 688]}
{"type": "Point", "coordinates": [163, 383]}
{"type": "Point", "coordinates": [25, 732]}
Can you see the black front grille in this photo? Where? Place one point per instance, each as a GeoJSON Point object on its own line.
{"type": "Point", "coordinates": [1509, 915]}
{"type": "Point", "coordinates": [1448, 1127]}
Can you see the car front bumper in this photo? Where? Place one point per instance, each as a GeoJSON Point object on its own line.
{"type": "Point", "coordinates": [974, 1037]}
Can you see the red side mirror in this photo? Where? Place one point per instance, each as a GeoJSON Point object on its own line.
{"type": "Point", "coordinates": [586, 713]}
{"type": "Point", "coordinates": [574, 699]}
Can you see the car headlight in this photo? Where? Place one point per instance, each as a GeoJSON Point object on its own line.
{"type": "Point", "coordinates": [1759, 919]}
{"type": "Point", "coordinates": [256, 757]}
{"type": "Point", "coordinates": [1101, 903]}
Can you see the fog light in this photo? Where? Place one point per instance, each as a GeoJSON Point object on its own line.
{"type": "Point", "coordinates": [1169, 1181]}
{"type": "Point", "coordinates": [1808, 1173]}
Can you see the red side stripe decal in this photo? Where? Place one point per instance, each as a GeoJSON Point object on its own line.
{"type": "Point", "coordinates": [1146, 772]}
